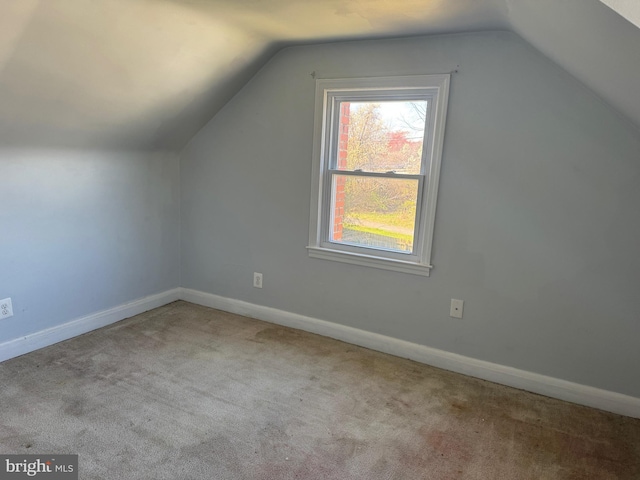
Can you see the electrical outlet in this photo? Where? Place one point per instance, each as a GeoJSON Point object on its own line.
{"type": "Point", "coordinates": [6, 309]}
{"type": "Point", "coordinates": [257, 280]}
{"type": "Point", "coordinates": [456, 308]}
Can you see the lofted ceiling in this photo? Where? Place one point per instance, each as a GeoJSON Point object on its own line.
{"type": "Point", "coordinates": [629, 9]}
{"type": "Point", "coordinates": [148, 74]}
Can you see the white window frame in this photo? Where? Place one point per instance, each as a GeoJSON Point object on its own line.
{"type": "Point", "coordinates": [329, 94]}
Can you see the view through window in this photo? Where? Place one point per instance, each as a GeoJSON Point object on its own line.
{"type": "Point", "coordinates": [380, 147]}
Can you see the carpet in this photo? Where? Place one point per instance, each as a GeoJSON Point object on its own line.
{"type": "Point", "coordinates": [188, 392]}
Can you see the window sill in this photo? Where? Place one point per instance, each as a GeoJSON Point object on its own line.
{"type": "Point", "coordinates": [370, 261]}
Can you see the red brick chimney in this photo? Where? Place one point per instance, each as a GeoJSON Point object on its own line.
{"type": "Point", "coordinates": [343, 145]}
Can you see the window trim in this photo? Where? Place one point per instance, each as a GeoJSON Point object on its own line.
{"type": "Point", "coordinates": [435, 88]}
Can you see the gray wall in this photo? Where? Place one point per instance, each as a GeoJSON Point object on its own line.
{"type": "Point", "coordinates": [537, 226]}
{"type": "Point", "coordinates": [83, 231]}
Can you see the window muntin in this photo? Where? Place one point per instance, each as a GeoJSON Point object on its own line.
{"type": "Point", "coordinates": [377, 152]}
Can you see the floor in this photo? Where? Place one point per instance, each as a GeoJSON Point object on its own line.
{"type": "Point", "coordinates": [188, 392]}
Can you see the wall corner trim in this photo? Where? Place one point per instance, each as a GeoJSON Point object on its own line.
{"type": "Point", "coordinates": [44, 338]}
{"type": "Point", "coordinates": [533, 382]}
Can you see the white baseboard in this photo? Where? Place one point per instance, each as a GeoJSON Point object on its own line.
{"type": "Point", "coordinates": [513, 377]}
{"type": "Point", "coordinates": [65, 331]}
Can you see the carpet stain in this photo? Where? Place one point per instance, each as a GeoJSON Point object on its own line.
{"type": "Point", "coordinates": [301, 342]}
{"type": "Point", "coordinates": [74, 406]}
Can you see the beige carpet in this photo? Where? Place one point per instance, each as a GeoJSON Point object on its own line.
{"type": "Point", "coordinates": [187, 392]}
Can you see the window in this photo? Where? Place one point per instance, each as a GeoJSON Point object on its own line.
{"type": "Point", "coordinates": [376, 163]}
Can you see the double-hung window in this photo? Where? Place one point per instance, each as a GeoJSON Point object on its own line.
{"type": "Point", "coordinates": [376, 163]}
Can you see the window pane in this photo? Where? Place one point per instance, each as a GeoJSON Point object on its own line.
{"type": "Point", "coordinates": [374, 212]}
{"type": "Point", "coordinates": [381, 136]}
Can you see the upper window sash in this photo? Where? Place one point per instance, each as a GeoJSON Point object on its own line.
{"type": "Point", "coordinates": [333, 99]}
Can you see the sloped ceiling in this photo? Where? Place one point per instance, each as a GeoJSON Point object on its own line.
{"type": "Point", "coordinates": [629, 9]}
{"type": "Point", "coordinates": [148, 74]}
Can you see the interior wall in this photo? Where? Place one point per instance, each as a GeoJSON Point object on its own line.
{"type": "Point", "coordinates": [536, 229]}
{"type": "Point", "coordinates": [84, 231]}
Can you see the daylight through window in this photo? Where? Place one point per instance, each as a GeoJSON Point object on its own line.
{"type": "Point", "coordinates": [377, 152]}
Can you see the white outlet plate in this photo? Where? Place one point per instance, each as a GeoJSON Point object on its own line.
{"type": "Point", "coordinates": [257, 280]}
{"type": "Point", "coordinates": [457, 306]}
{"type": "Point", "coordinates": [6, 309]}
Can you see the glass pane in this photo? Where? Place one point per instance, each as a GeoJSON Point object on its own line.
{"type": "Point", "coordinates": [374, 212]}
{"type": "Point", "coordinates": [381, 136]}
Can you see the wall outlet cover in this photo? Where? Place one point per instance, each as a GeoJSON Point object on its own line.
{"type": "Point", "coordinates": [6, 309]}
{"type": "Point", "coordinates": [457, 306]}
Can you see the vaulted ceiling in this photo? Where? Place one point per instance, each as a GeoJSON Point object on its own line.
{"type": "Point", "coordinates": [148, 74]}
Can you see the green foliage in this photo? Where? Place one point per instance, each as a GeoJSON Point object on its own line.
{"type": "Point", "coordinates": [402, 221]}
{"type": "Point", "coordinates": [374, 147]}
{"type": "Point", "coordinates": [367, 138]}
{"type": "Point", "coordinates": [379, 231]}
